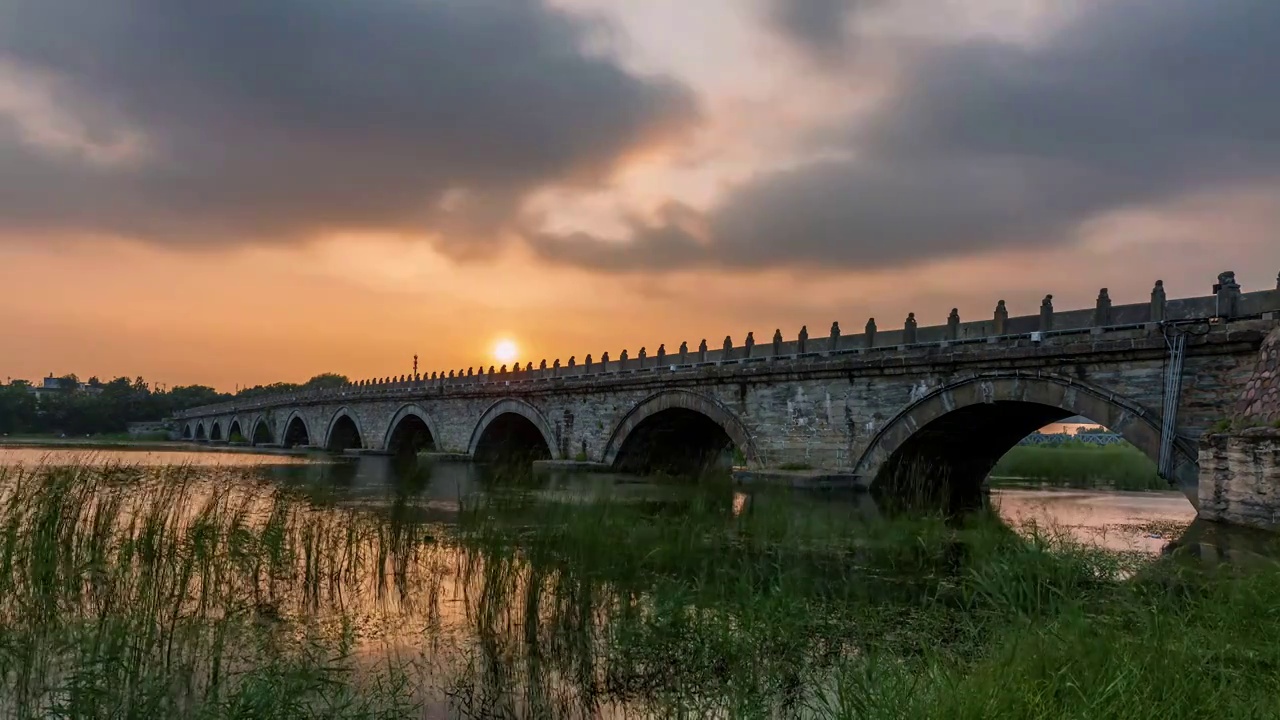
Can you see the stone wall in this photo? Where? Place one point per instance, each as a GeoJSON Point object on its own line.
{"type": "Point", "coordinates": [1260, 403]}
{"type": "Point", "coordinates": [1240, 478]}
{"type": "Point", "coordinates": [138, 429]}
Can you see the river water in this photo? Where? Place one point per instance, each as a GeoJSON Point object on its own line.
{"type": "Point", "coordinates": [1116, 520]}
{"type": "Point", "coordinates": [547, 596]}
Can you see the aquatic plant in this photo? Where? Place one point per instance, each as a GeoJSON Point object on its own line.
{"type": "Point", "coordinates": [167, 592]}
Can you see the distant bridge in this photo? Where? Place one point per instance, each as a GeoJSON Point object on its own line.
{"type": "Point", "coordinates": [952, 398]}
{"type": "Point", "coordinates": [1060, 438]}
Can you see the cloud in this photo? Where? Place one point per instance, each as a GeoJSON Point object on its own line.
{"type": "Point", "coordinates": [990, 145]}
{"type": "Point", "coordinates": [817, 27]}
{"type": "Point", "coordinates": [256, 121]}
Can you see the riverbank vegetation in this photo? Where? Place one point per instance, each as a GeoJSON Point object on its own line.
{"type": "Point", "coordinates": [1079, 465]}
{"type": "Point", "coordinates": [178, 592]}
{"type": "Point", "coordinates": [68, 406]}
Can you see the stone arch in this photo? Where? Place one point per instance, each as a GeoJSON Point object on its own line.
{"type": "Point", "coordinates": [515, 407]}
{"type": "Point", "coordinates": [332, 441]}
{"type": "Point", "coordinates": [964, 427]}
{"type": "Point", "coordinates": [682, 400]}
{"type": "Point", "coordinates": [235, 429]}
{"type": "Point", "coordinates": [261, 432]}
{"type": "Point", "coordinates": [188, 431]}
{"type": "Point", "coordinates": [406, 411]}
{"type": "Point", "coordinates": [289, 437]}
{"type": "Point", "coordinates": [215, 432]}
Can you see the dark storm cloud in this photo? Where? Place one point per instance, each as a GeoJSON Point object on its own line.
{"type": "Point", "coordinates": [273, 120]}
{"type": "Point", "coordinates": [991, 145]}
{"type": "Point", "coordinates": [818, 27]}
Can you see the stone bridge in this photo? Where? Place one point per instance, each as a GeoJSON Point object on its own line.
{"type": "Point", "coordinates": [948, 400]}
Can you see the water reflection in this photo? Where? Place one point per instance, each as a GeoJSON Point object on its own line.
{"type": "Point", "coordinates": [1144, 522]}
{"type": "Point", "coordinates": [558, 595]}
{"type": "Point", "coordinates": [1123, 521]}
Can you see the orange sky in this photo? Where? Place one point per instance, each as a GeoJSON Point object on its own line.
{"type": "Point", "coordinates": [258, 316]}
{"type": "Point", "coordinates": [235, 312]}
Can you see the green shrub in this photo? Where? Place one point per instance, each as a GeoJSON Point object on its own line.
{"type": "Point", "coordinates": [1082, 465]}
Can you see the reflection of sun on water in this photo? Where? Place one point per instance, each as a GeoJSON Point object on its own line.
{"type": "Point", "coordinates": [505, 351]}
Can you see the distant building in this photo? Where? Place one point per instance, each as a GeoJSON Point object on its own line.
{"type": "Point", "coordinates": [53, 384]}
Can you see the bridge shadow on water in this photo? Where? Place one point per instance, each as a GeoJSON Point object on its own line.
{"type": "Point", "coordinates": [424, 489]}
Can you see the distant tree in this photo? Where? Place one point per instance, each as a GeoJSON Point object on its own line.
{"type": "Point", "coordinates": [189, 396]}
{"type": "Point", "coordinates": [18, 409]}
{"type": "Point", "coordinates": [272, 389]}
{"type": "Point", "coordinates": [1092, 431]}
{"type": "Point", "coordinates": [115, 404]}
{"type": "Point", "coordinates": [326, 381]}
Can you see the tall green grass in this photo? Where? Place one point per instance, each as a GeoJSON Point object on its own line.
{"type": "Point", "coordinates": [123, 595]}
{"type": "Point", "coordinates": [179, 592]}
{"type": "Point", "coordinates": [788, 609]}
{"type": "Point", "coordinates": [1080, 465]}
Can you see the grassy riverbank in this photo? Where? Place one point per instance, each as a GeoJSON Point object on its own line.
{"type": "Point", "coordinates": [1080, 465]}
{"type": "Point", "coordinates": [176, 592]}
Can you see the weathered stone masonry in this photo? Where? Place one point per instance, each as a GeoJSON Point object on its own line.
{"type": "Point", "coordinates": [1240, 477]}
{"type": "Point", "coordinates": [1240, 467]}
{"type": "Point", "coordinates": [1260, 402]}
{"type": "Point", "coordinates": [957, 397]}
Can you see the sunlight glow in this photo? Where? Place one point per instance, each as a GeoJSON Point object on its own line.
{"type": "Point", "coordinates": [505, 351]}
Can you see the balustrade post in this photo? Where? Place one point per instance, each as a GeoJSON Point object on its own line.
{"type": "Point", "coordinates": [1227, 291]}
{"type": "Point", "coordinates": [1102, 309]}
{"type": "Point", "coordinates": [1046, 314]}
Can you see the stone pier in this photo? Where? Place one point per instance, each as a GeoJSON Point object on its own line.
{"type": "Point", "coordinates": [1240, 464]}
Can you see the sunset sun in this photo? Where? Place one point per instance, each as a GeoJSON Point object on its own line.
{"type": "Point", "coordinates": [505, 351]}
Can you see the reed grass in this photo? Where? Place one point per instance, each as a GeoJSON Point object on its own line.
{"type": "Point", "coordinates": [181, 592]}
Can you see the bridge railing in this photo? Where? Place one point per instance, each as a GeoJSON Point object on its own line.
{"type": "Point", "coordinates": [1227, 302]}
